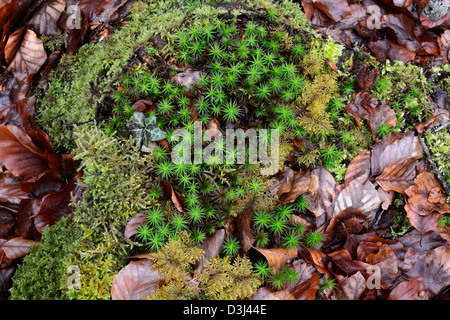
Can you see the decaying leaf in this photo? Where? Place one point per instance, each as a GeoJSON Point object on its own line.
{"type": "Point", "coordinates": [362, 106]}
{"type": "Point", "coordinates": [360, 195]}
{"type": "Point", "coordinates": [381, 115]}
{"type": "Point", "coordinates": [14, 249]}
{"type": "Point", "coordinates": [264, 293]}
{"type": "Point", "coordinates": [307, 283]}
{"type": "Point", "coordinates": [400, 176]}
{"type": "Point", "coordinates": [45, 20]}
{"type": "Point", "coordinates": [350, 288]}
{"type": "Point", "coordinates": [318, 186]}
{"type": "Point", "coordinates": [277, 257]}
{"type": "Point", "coordinates": [137, 279]}
{"type": "Point", "coordinates": [243, 228]}
{"type": "Point", "coordinates": [358, 167]}
{"type": "Point", "coordinates": [393, 149]}
{"type": "Point", "coordinates": [413, 289]}
{"type": "Point", "coordinates": [29, 58]}
{"type": "Point", "coordinates": [436, 274]}
{"type": "Point", "coordinates": [134, 223]}
{"type": "Point", "coordinates": [386, 260]}
{"type": "Point", "coordinates": [20, 155]}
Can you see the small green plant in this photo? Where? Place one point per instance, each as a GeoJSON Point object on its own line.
{"type": "Point", "coordinates": [144, 129]}
{"type": "Point", "coordinates": [313, 239]}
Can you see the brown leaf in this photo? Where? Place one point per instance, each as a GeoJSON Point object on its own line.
{"type": "Point", "coordinates": [43, 184]}
{"type": "Point", "coordinates": [44, 21]}
{"type": "Point", "coordinates": [402, 28]}
{"type": "Point", "coordinates": [137, 279]}
{"type": "Point", "coordinates": [437, 270]}
{"type": "Point", "coordinates": [7, 222]}
{"type": "Point", "coordinates": [358, 167]}
{"type": "Point", "coordinates": [243, 229]}
{"type": "Point", "coordinates": [307, 283]}
{"type": "Point", "coordinates": [362, 106]}
{"type": "Point", "coordinates": [277, 257]}
{"type": "Point", "coordinates": [413, 289]}
{"type": "Point", "coordinates": [350, 288]}
{"type": "Point", "coordinates": [56, 205]}
{"type": "Point", "coordinates": [6, 275]}
{"type": "Point", "coordinates": [14, 249]}
{"type": "Point", "coordinates": [366, 78]}
{"type": "Point", "coordinates": [13, 44]}
{"type": "Point", "coordinates": [283, 183]}
{"type": "Point", "coordinates": [20, 155]}
{"type": "Point", "coordinates": [318, 186]}
{"type": "Point", "coordinates": [174, 195]}
{"type": "Point", "coordinates": [29, 58]}
{"type": "Point", "coordinates": [386, 260]}
{"type": "Point", "coordinates": [400, 176]}
{"type": "Point", "coordinates": [381, 115]}
{"type": "Point", "coordinates": [334, 9]}
{"type": "Point", "coordinates": [212, 247]}
{"type": "Point", "coordinates": [426, 187]}
{"type": "Point", "coordinates": [134, 224]}
{"type": "Point", "coordinates": [10, 189]}
{"type": "Point", "coordinates": [360, 195]}
{"type": "Point", "coordinates": [317, 258]}
{"type": "Point", "coordinates": [394, 149]}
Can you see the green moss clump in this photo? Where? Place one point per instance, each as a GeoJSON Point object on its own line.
{"type": "Point", "coordinates": [114, 183]}
{"type": "Point", "coordinates": [439, 145]}
{"type": "Point", "coordinates": [219, 279]}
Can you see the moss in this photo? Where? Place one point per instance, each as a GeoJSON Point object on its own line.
{"type": "Point", "coordinates": [114, 184]}
{"type": "Point", "coordinates": [439, 145]}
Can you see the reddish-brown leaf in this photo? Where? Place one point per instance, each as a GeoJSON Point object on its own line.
{"type": "Point", "coordinates": [350, 288]}
{"type": "Point", "coordinates": [10, 189]}
{"type": "Point", "coordinates": [307, 283]}
{"type": "Point", "coordinates": [400, 176]}
{"type": "Point", "coordinates": [386, 260]}
{"type": "Point", "coordinates": [137, 279]}
{"type": "Point", "coordinates": [317, 258]}
{"type": "Point", "coordinates": [413, 289]}
{"type": "Point", "coordinates": [394, 149]}
{"type": "Point", "coordinates": [14, 249]}
{"type": "Point", "coordinates": [366, 78]}
{"type": "Point", "coordinates": [243, 229]}
{"type": "Point", "coordinates": [436, 274]}
{"type": "Point", "coordinates": [358, 167]}
{"type": "Point", "coordinates": [427, 187]}
{"type": "Point", "coordinates": [134, 224]}
{"type": "Point", "coordinates": [381, 115]}
{"type": "Point", "coordinates": [43, 184]}
{"type": "Point", "coordinates": [29, 58]}
{"type": "Point", "coordinates": [362, 106]}
{"type": "Point", "coordinates": [56, 205]}
{"type": "Point", "coordinates": [277, 257]}
{"type": "Point", "coordinates": [44, 21]}
{"type": "Point", "coordinates": [283, 183]}
{"type": "Point", "coordinates": [20, 155]}
{"type": "Point", "coordinates": [174, 195]}
{"type": "Point", "coordinates": [334, 9]}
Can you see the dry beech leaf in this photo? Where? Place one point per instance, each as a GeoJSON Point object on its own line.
{"type": "Point", "coordinates": [20, 155]}
{"type": "Point", "coordinates": [426, 186]}
{"type": "Point", "coordinates": [386, 260]}
{"type": "Point", "coordinates": [362, 106]}
{"type": "Point", "coordinates": [137, 279]}
{"type": "Point", "coordinates": [277, 257]}
{"type": "Point", "coordinates": [413, 289]}
{"type": "Point", "coordinates": [10, 190]}
{"type": "Point", "coordinates": [44, 21]}
{"type": "Point", "coordinates": [436, 274]}
{"type": "Point", "coordinates": [350, 288]}
{"type": "Point", "coordinates": [13, 44]}
{"type": "Point", "coordinates": [29, 57]}
{"type": "Point", "coordinates": [317, 258]}
{"type": "Point", "coordinates": [400, 176]}
{"type": "Point", "coordinates": [381, 115]}
{"type": "Point", "coordinates": [14, 249]}
{"type": "Point", "coordinates": [360, 195]}
{"type": "Point", "coordinates": [307, 283]}
{"type": "Point", "coordinates": [243, 228]}
{"type": "Point", "coordinates": [393, 149]}
{"type": "Point", "coordinates": [283, 183]}
{"type": "Point", "coordinates": [358, 167]}
{"type": "Point", "coordinates": [134, 223]}
{"type": "Point", "coordinates": [318, 186]}
{"type": "Point", "coordinates": [334, 9]}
